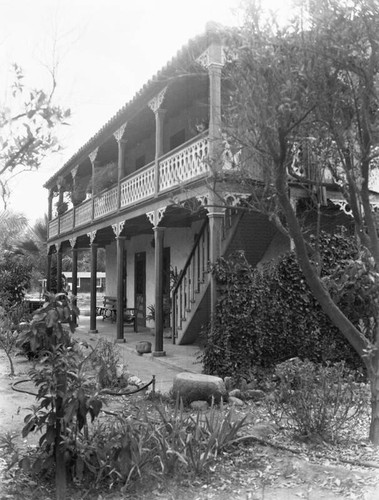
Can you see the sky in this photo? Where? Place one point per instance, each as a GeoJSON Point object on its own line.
{"type": "Point", "coordinates": [104, 51]}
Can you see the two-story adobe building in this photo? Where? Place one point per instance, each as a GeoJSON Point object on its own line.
{"type": "Point", "coordinates": [144, 188]}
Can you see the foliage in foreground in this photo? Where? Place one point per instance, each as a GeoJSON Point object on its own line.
{"type": "Point", "coordinates": [117, 452]}
{"type": "Point", "coordinates": [318, 402]}
{"type": "Point", "coordinates": [265, 316]}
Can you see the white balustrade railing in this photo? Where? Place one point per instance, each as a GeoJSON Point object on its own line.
{"type": "Point", "coordinates": [175, 168]}
{"type": "Point", "coordinates": [53, 228]}
{"type": "Point", "coordinates": [139, 186]}
{"type": "Point", "coordinates": [183, 165]}
{"type": "Point", "coordinates": [66, 222]}
{"type": "Point", "coordinates": [83, 213]}
{"type": "Point", "coordinates": [105, 203]}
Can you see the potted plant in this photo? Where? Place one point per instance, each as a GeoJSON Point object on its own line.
{"type": "Point", "coordinates": [62, 207]}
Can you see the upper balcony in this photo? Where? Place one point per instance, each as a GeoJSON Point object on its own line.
{"type": "Point", "coordinates": [177, 168]}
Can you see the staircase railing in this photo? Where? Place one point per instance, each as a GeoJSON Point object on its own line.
{"type": "Point", "coordinates": [196, 268]}
{"type": "Point", "coordinates": [190, 279]}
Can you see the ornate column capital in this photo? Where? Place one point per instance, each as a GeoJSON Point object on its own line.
{"type": "Point", "coordinates": [72, 242]}
{"type": "Point", "coordinates": [92, 156]}
{"type": "Point", "coordinates": [157, 101]}
{"type": "Point", "coordinates": [212, 59]}
{"type": "Point", "coordinates": [120, 132]}
{"type": "Point", "coordinates": [233, 199]}
{"type": "Point", "coordinates": [156, 216]}
{"type": "Point", "coordinates": [74, 171]}
{"type": "Point", "coordinates": [92, 235]}
{"type": "Point", "coordinates": [117, 228]}
{"type": "Point", "coordinates": [203, 199]}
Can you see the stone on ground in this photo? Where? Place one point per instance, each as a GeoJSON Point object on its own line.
{"type": "Point", "coordinates": [199, 405]}
{"type": "Point", "coordinates": [198, 387]}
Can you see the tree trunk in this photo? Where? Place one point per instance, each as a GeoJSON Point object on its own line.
{"type": "Point", "coordinates": [374, 386]}
{"type": "Point", "coordinates": [374, 424]}
{"type": "Point", "coordinates": [12, 373]}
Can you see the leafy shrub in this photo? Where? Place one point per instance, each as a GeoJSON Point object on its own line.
{"type": "Point", "coordinates": [317, 401]}
{"type": "Point", "coordinates": [267, 315]}
{"type": "Point", "coordinates": [46, 328]}
{"type": "Point", "coordinates": [106, 361]}
{"type": "Point", "coordinates": [15, 275]}
{"type": "Point", "coordinates": [120, 450]}
{"type": "Point", "coordinates": [66, 401]}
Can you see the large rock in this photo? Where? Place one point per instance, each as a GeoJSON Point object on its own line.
{"type": "Point", "coordinates": [197, 387]}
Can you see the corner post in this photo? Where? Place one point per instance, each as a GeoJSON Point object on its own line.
{"type": "Point", "coordinates": [215, 235]}
{"type": "Point", "coordinates": [212, 59]}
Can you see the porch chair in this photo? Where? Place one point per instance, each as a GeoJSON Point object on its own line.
{"type": "Point", "coordinates": [109, 311]}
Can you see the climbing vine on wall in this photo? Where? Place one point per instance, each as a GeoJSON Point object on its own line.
{"type": "Point", "coordinates": [267, 315]}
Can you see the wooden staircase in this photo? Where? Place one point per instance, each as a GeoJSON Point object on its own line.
{"type": "Point", "coordinates": [190, 296]}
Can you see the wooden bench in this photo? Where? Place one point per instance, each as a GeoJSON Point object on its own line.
{"type": "Point", "coordinates": [109, 311]}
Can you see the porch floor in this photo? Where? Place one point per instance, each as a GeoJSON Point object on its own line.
{"type": "Point", "coordinates": [178, 358]}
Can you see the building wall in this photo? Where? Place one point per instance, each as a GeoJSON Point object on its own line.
{"type": "Point", "coordinates": [179, 240]}
{"type": "Point", "coordinates": [144, 148]}
{"type": "Point", "coordinates": [111, 269]}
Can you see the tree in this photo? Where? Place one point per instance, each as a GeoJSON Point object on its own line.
{"type": "Point", "coordinates": [303, 106]}
{"type": "Point", "coordinates": [28, 124]}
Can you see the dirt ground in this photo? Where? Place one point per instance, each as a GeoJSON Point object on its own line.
{"type": "Point", "coordinates": [252, 472]}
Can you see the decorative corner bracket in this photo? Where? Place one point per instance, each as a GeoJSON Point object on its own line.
{"type": "Point", "coordinates": [72, 242]}
{"type": "Point", "coordinates": [92, 236]}
{"type": "Point", "coordinates": [120, 132]}
{"type": "Point", "coordinates": [157, 101]}
{"type": "Point", "coordinates": [117, 228]}
{"type": "Point", "coordinates": [203, 200]}
{"type": "Point", "coordinates": [233, 199]}
{"type": "Point", "coordinates": [156, 216]}
{"type": "Point", "coordinates": [92, 156]}
{"type": "Point", "coordinates": [344, 206]}
{"type": "Point", "coordinates": [74, 171]}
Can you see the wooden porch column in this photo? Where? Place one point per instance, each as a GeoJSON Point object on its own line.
{"type": "Point", "coordinates": [75, 275]}
{"type": "Point", "coordinates": [59, 268]}
{"type": "Point", "coordinates": [50, 206]}
{"type": "Point", "coordinates": [48, 272]}
{"type": "Point", "coordinates": [212, 60]}
{"type": "Point", "coordinates": [158, 239]}
{"type": "Point", "coordinates": [155, 106]}
{"type": "Point", "coordinates": [215, 104]}
{"type": "Point", "coordinates": [92, 156]}
{"type": "Point", "coordinates": [120, 288]}
{"type": "Point", "coordinates": [74, 173]}
{"type": "Point", "coordinates": [92, 327]}
{"type": "Point", "coordinates": [215, 235]}
{"type": "Point", "coordinates": [118, 135]}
